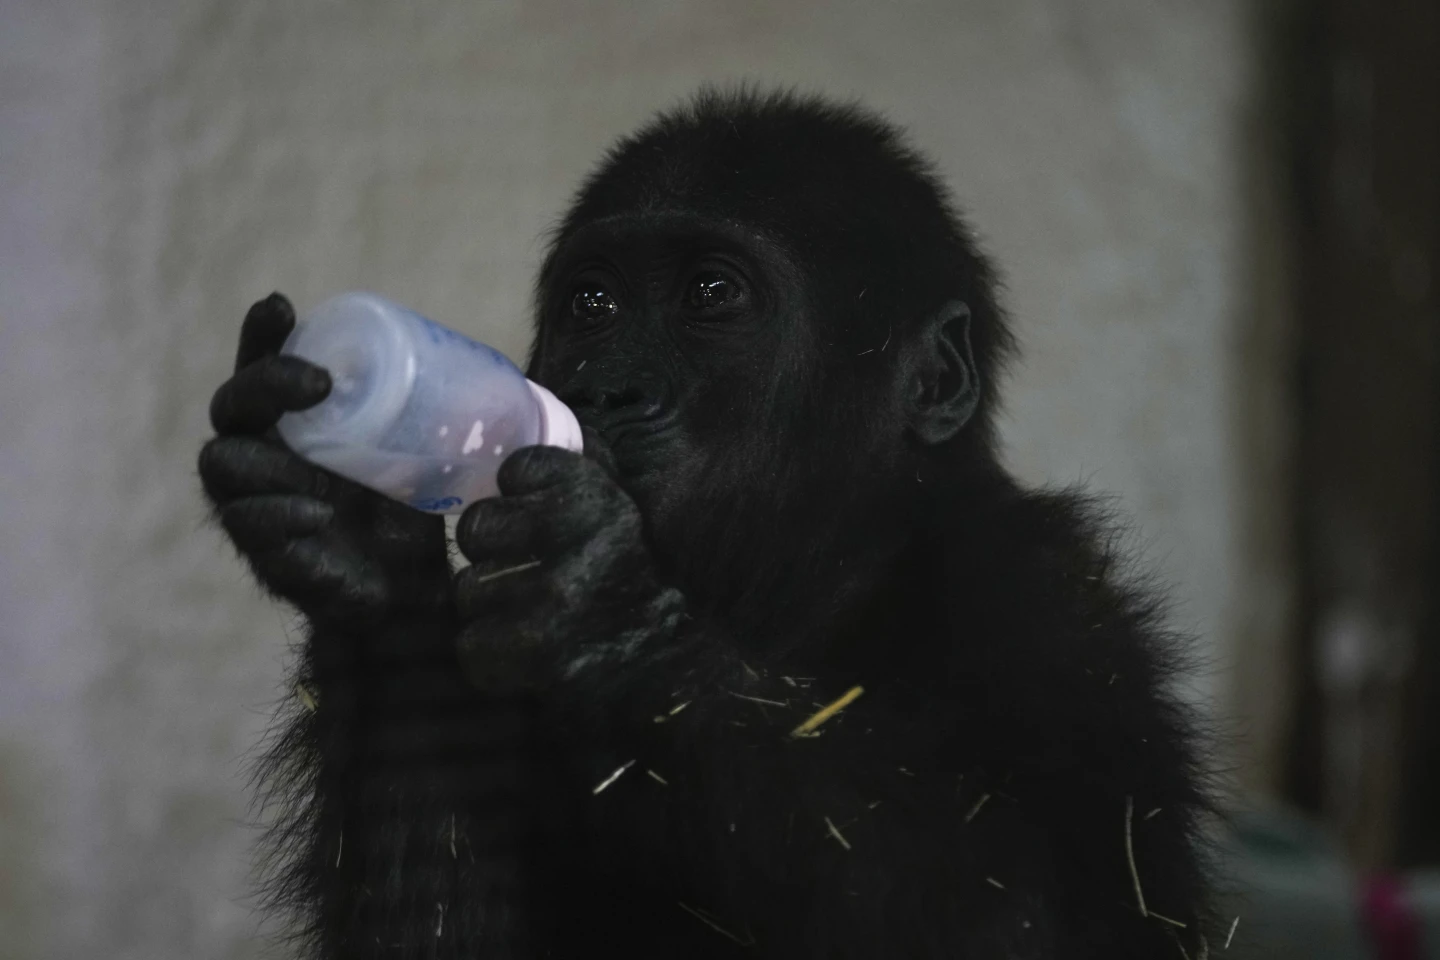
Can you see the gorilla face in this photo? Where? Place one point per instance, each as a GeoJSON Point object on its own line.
{"type": "Point", "coordinates": [674, 338]}
{"type": "Point", "coordinates": [714, 362]}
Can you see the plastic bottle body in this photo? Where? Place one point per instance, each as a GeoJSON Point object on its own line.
{"type": "Point", "coordinates": [416, 411]}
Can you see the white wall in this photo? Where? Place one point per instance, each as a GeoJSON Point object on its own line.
{"type": "Point", "coordinates": [164, 163]}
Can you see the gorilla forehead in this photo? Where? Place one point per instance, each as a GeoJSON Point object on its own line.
{"type": "Point", "coordinates": [831, 181]}
{"type": "Point", "coordinates": [657, 234]}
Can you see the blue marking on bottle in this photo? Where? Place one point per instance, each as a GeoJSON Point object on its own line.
{"type": "Point", "coordinates": [436, 504]}
{"type": "Point", "coordinates": [441, 336]}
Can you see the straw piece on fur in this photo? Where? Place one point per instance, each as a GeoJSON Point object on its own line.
{"type": "Point", "coordinates": [613, 777]}
{"type": "Point", "coordinates": [827, 711]}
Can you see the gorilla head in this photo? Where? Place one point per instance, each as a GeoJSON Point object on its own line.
{"type": "Point", "coordinates": [769, 309]}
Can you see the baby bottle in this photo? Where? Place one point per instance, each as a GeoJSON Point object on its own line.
{"type": "Point", "coordinates": [416, 411]}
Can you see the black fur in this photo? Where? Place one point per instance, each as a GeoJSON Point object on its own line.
{"type": "Point", "coordinates": [790, 491]}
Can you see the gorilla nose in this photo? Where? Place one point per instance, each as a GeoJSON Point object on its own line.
{"type": "Point", "coordinates": [617, 398]}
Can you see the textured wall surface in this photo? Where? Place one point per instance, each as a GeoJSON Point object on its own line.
{"type": "Point", "coordinates": [162, 164]}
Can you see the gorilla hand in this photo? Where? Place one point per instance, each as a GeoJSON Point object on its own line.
{"type": "Point", "coordinates": [333, 548]}
{"type": "Point", "coordinates": [562, 582]}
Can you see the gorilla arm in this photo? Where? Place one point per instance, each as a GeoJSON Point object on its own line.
{"type": "Point", "coordinates": [402, 793]}
{"type": "Point", "coordinates": [886, 832]}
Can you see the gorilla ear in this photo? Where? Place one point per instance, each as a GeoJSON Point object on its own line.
{"type": "Point", "coordinates": [945, 386]}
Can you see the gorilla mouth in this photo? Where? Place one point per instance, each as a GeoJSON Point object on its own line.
{"type": "Point", "coordinates": [626, 417]}
{"type": "Point", "coordinates": [635, 432]}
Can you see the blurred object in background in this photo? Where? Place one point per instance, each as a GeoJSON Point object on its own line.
{"type": "Point", "coordinates": [1362, 106]}
{"type": "Point", "coordinates": [1293, 895]}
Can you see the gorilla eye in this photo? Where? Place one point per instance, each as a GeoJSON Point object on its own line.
{"type": "Point", "coordinates": [593, 305]}
{"type": "Point", "coordinates": [710, 290]}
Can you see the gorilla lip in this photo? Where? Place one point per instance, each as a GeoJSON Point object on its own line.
{"type": "Point", "coordinates": [626, 428]}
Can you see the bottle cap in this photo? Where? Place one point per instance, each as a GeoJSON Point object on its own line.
{"type": "Point", "coordinates": [558, 426]}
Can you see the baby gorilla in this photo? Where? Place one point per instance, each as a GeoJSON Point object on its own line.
{"type": "Point", "coordinates": [785, 666]}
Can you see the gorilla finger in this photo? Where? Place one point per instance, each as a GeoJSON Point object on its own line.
{"type": "Point", "coordinates": [257, 524]}
{"type": "Point", "coordinates": [500, 530]}
{"type": "Point", "coordinates": [267, 323]}
{"type": "Point", "coordinates": [318, 572]}
{"type": "Point", "coordinates": [518, 528]}
{"type": "Point", "coordinates": [492, 590]}
{"type": "Point", "coordinates": [532, 469]}
{"type": "Point", "coordinates": [232, 467]}
{"type": "Point", "coordinates": [253, 400]}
